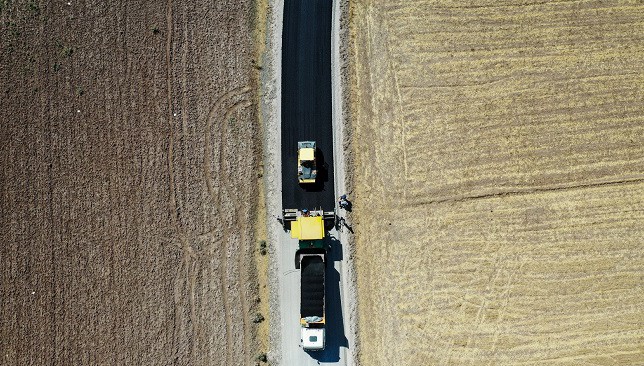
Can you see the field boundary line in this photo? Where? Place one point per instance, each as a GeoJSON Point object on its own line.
{"type": "Point", "coordinates": [525, 191]}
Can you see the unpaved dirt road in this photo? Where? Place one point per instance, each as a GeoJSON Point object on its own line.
{"type": "Point", "coordinates": [498, 180]}
{"type": "Point", "coordinates": [129, 162]}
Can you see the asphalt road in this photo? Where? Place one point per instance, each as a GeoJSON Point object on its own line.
{"type": "Point", "coordinates": [307, 114]}
{"type": "Point", "coordinates": [306, 100]}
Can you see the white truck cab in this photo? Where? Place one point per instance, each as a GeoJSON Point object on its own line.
{"type": "Point", "coordinates": [312, 339]}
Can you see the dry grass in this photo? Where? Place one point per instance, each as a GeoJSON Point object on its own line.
{"type": "Point", "coordinates": [499, 181]}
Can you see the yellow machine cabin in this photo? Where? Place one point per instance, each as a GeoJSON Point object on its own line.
{"type": "Point", "coordinates": [306, 163]}
{"type": "Point", "coordinates": [308, 228]}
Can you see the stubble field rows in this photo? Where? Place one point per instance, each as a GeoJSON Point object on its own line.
{"type": "Point", "coordinates": [499, 181]}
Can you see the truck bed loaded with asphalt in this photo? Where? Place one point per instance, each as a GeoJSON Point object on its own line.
{"type": "Point", "coordinates": [312, 314]}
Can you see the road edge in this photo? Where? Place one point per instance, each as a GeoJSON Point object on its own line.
{"type": "Point", "coordinates": [271, 110]}
{"type": "Point", "coordinates": [341, 143]}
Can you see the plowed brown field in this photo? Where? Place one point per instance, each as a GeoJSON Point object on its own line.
{"type": "Point", "coordinates": [129, 153]}
{"type": "Point", "coordinates": [499, 181]}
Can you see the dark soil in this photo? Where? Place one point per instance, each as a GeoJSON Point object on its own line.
{"type": "Point", "coordinates": [129, 155]}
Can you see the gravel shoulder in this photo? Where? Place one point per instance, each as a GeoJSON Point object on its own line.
{"type": "Point", "coordinates": [341, 114]}
{"type": "Point", "coordinates": [270, 83]}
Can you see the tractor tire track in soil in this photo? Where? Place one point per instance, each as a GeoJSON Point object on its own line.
{"type": "Point", "coordinates": [226, 135]}
{"type": "Point", "coordinates": [129, 197]}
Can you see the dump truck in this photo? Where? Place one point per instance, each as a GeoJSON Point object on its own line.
{"type": "Point", "coordinates": [306, 164]}
{"type": "Point", "coordinates": [312, 263]}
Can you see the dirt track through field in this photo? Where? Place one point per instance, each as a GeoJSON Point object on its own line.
{"type": "Point", "coordinates": [498, 181]}
{"type": "Point", "coordinates": [130, 154]}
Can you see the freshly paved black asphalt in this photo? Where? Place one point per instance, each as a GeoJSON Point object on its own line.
{"type": "Point", "coordinates": [306, 99]}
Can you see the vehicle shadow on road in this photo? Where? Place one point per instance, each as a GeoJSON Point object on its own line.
{"type": "Point", "coordinates": [335, 337]}
{"type": "Point", "coordinates": [334, 250]}
{"type": "Point", "coordinates": [322, 175]}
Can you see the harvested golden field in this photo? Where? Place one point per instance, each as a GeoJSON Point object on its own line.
{"type": "Point", "coordinates": [498, 180]}
{"type": "Point", "coordinates": [129, 160]}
